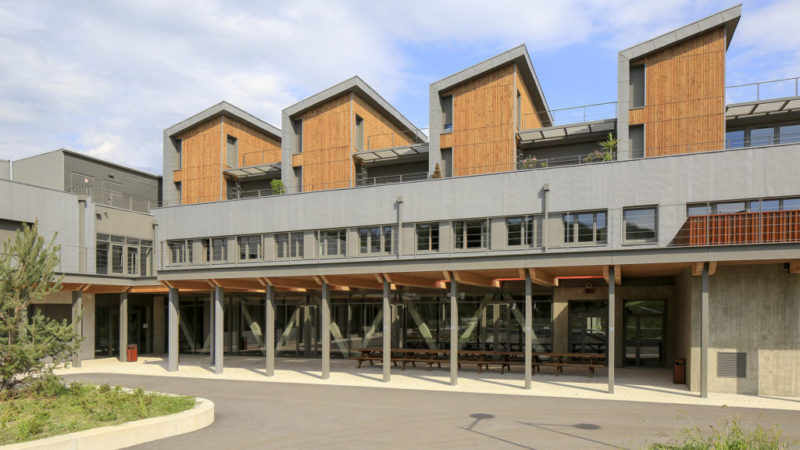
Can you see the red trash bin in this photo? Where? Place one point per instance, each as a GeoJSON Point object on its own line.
{"type": "Point", "coordinates": [132, 353]}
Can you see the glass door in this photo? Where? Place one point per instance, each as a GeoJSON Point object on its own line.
{"type": "Point", "coordinates": [644, 333]}
{"type": "Point", "coordinates": [588, 325]}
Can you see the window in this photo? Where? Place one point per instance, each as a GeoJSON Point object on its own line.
{"type": "Point", "coordinates": [249, 247]}
{"type": "Point", "coordinates": [298, 131]}
{"type": "Point", "coordinates": [471, 233]}
{"type": "Point", "coordinates": [116, 258]}
{"type": "Point", "coordinates": [637, 86]}
{"type": "Point", "coordinates": [641, 224]}
{"type": "Point", "coordinates": [298, 176]}
{"type": "Point", "coordinates": [523, 230]}
{"type": "Point", "coordinates": [698, 210]}
{"type": "Point", "coordinates": [762, 136]}
{"type": "Point", "coordinates": [447, 113]}
{"type": "Point", "coordinates": [101, 257]}
{"type": "Point", "coordinates": [289, 245]}
{"type": "Point", "coordinates": [734, 139]}
{"type": "Point", "coordinates": [447, 162]}
{"type": "Point", "coordinates": [788, 134]}
{"type": "Point", "coordinates": [428, 237]}
{"type": "Point", "coordinates": [359, 133]}
{"type": "Point", "coordinates": [375, 240]}
{"type": "Point", "coordinates": [585, 228]}
{"type": "Point", "coordinates": [232, 152]}
{"type": "Point", "coordinates": [179, 150]}
{"type": "Point", "coordinates": [176, 252]}
{"type": "Point", "coordinates": [133, 259]}
{"type": "Point", "coordinates": [296, 248]}
{"type": "Point", "coordinates": [333, 243]}
{"type": "Point", "coordinates": [219, 250]}
{"type": "Point", "coordinates": [636, 141]}
{"type": "Point", "coordinates": [144, 258]}
{"type": "Point", "coordinates": [518, 107]}
{"type": "Point", "coordinates": [728, 208]}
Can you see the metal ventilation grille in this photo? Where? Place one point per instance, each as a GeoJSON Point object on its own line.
{"type": "Point", "coordinates": [731, 365]}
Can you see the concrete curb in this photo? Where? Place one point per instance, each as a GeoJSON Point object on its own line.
{"type": "Point", "coordinates": [128, 434]}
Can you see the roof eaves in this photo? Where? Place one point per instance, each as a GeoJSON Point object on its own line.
{"type": "Point", "coordinates": [223, 108]}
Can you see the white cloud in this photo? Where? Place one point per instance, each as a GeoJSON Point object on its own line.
{"type": "Point", "coordinates": [108, 77]}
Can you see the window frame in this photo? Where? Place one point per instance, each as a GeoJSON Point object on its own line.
{"type": "Point", "coordinates": [248, 241]}
{"type": "Point", "coordinates": [366, 240]}
{"type": "Point", "coordinates": [433, 245]}
{"type": "Point", "coordinates": [575, 225]}
{"type": "Point", "coordinates": [628, 240]}
{"type": "Point", "coordinates": [464, 239]}
{"type": "Point", "coordinates": [327, 237]}
{"type": "Point", "coordinates": [530, 228]}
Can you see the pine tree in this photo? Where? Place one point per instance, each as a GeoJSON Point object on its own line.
{"type": "Point", "coordinates": [30, 345]}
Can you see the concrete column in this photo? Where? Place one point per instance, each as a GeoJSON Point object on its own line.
{"type": "Point", "coordinates": [77, 322]}
{"type": "Point", "coordinates": [123, 326]}
{"type": "Point", "coordinates": [219, 296]}
{"type": "Point", "coordinates": [704, 334]}
{"type": "Point", "coordinates": [453, 331]}
{"type": "Point", "coordinates": [387, 333]}
{"type": "Point", "coordinates": [269, 333]}
{"type": "Point", "coordinates": [325, 330]}
{"type": "Point", "coordinates": [172, 331]}
{"type": "Point", "coordinates": [211, 339]}
{"type": "Point", "coordinates": [528, 330]}
{"type": "Point", "coordinates": [610, 346]}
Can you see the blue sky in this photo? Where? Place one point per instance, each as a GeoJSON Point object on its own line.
{"type": "Point", "coordinates": [107, 78]}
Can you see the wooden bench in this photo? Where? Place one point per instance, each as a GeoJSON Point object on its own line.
{"type": "Point", "coordinates": [559, 361]}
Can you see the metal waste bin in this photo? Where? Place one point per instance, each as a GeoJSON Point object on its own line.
{"type": "Point", "coordinates": [679, 377]}
{"type": "Point", "coordinates": [133, 353]}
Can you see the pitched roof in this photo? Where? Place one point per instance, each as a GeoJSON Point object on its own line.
{"type": "Point", "coordinates": [224, 108]}
{"type": "Point", "coordinates": [728, 18]}
{"type": "Point", "coordinates": [357, 86]}
{"type": "Point", "coordinates": [517, 55]}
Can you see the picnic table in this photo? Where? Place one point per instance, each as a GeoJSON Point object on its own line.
{"type": "Point", "coordinates": [483, 358]}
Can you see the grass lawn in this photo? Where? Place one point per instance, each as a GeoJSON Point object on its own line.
{"type": "Point", "coordinates": [48, 408]}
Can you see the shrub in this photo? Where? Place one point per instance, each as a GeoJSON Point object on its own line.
{"type": "Point", "coordinates": [731, 436]}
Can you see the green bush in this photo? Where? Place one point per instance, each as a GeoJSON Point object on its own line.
{"type": "Point", "coordinates": [731, 436]}
{"type": "Point", "coordinates": [46, 407]}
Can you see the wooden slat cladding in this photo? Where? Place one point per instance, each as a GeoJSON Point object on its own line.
{"type": "Point", "coordinates": [201, 166]}
{"type": "Point", "coordinates": [327, 160]}
{"type": "Point", "coordinates": [379, 131]}
{"type": "Point", "coordinates": [255, 147]}
{"type": "Point", "coordinates": [685, 96]}
{"type": "Point", "coordinates": [483, 124]}
{"type": "Point", "coordinates": [528, 115]}
{"type": "Point", "coordinates": [741, 228]}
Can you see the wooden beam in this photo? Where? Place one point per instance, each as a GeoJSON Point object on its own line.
{"type": "Point", "coordinates": [237, 283]}
{"type": "Point", "coordinates": [148, 290]}
{"type": "Point", "coordinates": [415, 281]}
{"type": "Point", "coordinates": [352, 282]}
{"type": "Point", "coordinates": [190, 285]}
{"type": "Point", "coordinates": [292, 283]}
{"type": "Point", "coordinates": [617, 275]}
{"type": "Point", "coordinates": [541, 277]}
{"type": "Point", "coordinates": [288, 289]}
{"type": "Point", "coordinates": [712, 268]}
{"type": "Point", "coordinates": [794, 266]}
{"type": "Point", "coordinates": [105, 289]}
{"type": "Point", "coordinates": [473, 279]}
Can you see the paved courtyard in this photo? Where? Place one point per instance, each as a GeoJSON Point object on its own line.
{"type": "Point", "coordinates": [296, 415]}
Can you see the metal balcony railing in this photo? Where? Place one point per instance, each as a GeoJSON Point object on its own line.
{"type": "Point", "coordinates": [741, 93]}
{"type": "Point", "coordinates": [391, 179]}
{"type": "Point", "coordinates": [740, 228]}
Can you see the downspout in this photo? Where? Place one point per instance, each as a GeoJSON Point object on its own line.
{"type": "Point", "coordinates": [545, 233]}
{"type": "Point", "coordinates": [399, 204]}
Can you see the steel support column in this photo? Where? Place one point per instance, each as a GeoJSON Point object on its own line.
{"type": "Point", "coordinates": [704, 334]}
{"type": "Point", "coordinates": [387, 332]}
{"type": "Point", "coordinates": [77, 323]}
{"type": "Point", "coordinates": [453, 331]}
{"type": "Point", "coordinates": [123, 326]}
{"type": "Point", "coordinates": [172, 331]}
{"type": "Point", "coordinates": [219, 314]}
{"type": "Point", "coordinates": [269, 333]}
{"type": "Point", "coordinates": [528, 330]}
{"type": "Point", "coordinates": [612, 285]}
{"type": "Point", "coordinates": [211, 326]}
{"type": "Point", "coordinates": [325, 330]}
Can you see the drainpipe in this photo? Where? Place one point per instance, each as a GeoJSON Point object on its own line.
{"type": "Point", "coordinates": [545, 191]}
{"type": "Point", "coordinates": [399, 203]}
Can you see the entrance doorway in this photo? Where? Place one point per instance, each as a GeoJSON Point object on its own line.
{"type": "Point", "coordinates": [296, 326]}
{"type": "Point", "coordinates": [588, 326]}
{"type": "Point", "coordinates": [644, 333]}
